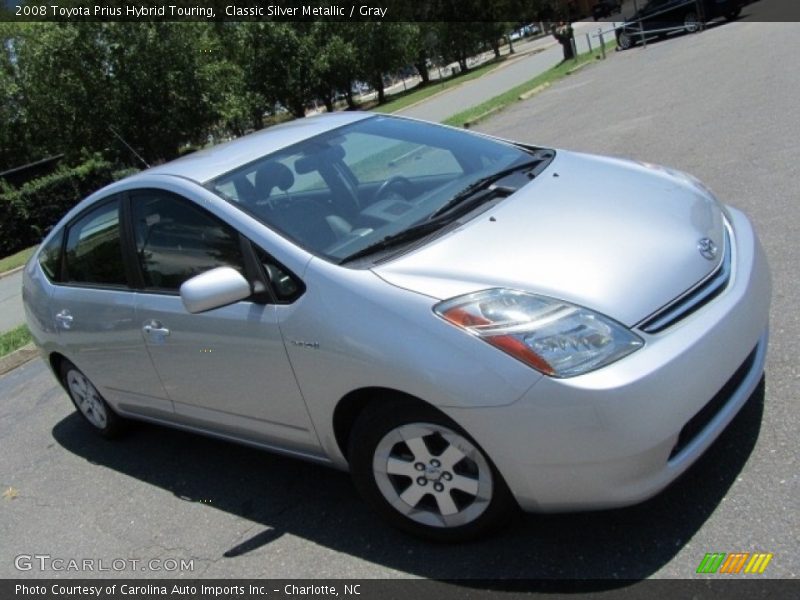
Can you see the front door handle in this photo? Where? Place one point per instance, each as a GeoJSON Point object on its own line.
{"type": "Point", "coordinates": [155, 331]}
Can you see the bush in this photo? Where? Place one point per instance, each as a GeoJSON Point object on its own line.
{"type": "Point", "coordinates": [27, 214]}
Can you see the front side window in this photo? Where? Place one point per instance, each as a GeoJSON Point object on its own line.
{"type": "Point", "coordinates": [94, 250]}
{"type": "Point", "coordinates": [176, 240]}
{"type": "Point", "coordinates": [341, 192]}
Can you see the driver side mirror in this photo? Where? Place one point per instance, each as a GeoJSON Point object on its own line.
{"type": "Point", "coordinates": [214, 289]}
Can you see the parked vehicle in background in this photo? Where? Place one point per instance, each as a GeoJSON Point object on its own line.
{"type": "Point", "coordinates": [662, 17]}
{"type": "Point", "coordinates": [468, 325]}
{"type": "Point", "coordinates": [605, 8]}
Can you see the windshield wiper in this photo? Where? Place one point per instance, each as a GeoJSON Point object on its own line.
{"type": "Point", "coordinates": [445, 214]}
{"type": "Point", "coordinates": [482, 184]}
{"type": "Point", "coordinates": [407, 235]}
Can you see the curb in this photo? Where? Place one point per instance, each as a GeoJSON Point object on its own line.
{"type": "Point", "coordinates": [482, 116]}
{"type": "Point", "coordinates": [534, 91]}
{"type": "Point", "coordinates": [579, 67]}
{"type": "Point", "coordinates": [17, 358]}
{"type": "Point", "coordinates": [13, 271]}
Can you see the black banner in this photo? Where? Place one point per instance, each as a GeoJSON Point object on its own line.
{"type": "Point", "coordinates": [515, 11]}
{"type": "Point", "coordinates": [729, 588]}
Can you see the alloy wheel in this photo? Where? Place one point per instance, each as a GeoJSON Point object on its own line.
{"type": "Point", "coordinates": [432, 475]}
{"type": "Point", "coordinates": [87, 399]}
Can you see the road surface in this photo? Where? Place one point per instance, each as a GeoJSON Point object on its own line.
{"type": "Point", "coordinates": [507, 76]}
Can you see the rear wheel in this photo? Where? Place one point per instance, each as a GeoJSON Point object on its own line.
{"type": "Point", "coordinates": [90, 404]}
{"type": "Point", "coordinates": [425, 475]}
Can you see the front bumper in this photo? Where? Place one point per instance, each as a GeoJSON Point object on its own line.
{"type": "Point", "coordinates": [614, 437]}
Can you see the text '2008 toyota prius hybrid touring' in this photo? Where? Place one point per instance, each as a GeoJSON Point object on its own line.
{"type": "Point", "coordinates": [468, 325]}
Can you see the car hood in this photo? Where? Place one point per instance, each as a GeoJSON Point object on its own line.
{"type": "Point", "coordinates": [615, 236]}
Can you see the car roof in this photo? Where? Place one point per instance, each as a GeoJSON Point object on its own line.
{"type": "Point", "coordinates": [211, 162]}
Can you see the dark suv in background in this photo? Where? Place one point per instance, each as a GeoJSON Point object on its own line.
{"type": "Point", "coordinates": [661, 17]}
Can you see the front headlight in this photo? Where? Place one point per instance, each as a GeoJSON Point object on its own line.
{"type": "Point", "coordinates": [554, 337]}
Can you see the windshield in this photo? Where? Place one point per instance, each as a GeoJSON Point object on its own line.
{"type": "Point", "coordinates": [344, 191]}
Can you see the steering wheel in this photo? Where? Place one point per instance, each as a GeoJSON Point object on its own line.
{"type": "Point", "coordinates": [395, 185]}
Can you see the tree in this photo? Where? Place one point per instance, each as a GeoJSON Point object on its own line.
{"type": "Point", "coordinates": [244, 57]}
{"type": "Point", "coordinates": [159, 94]}
{"type": "Point", "coordinates": [458, 41]}
{"type": "Point", "coordinates": [14, 145]}
{"type": "Point", "coordinates": [337, 61]}
{"type": "Point", "coordinates": [63, 83]}
{"type": "Point", "coordinates": [424, 45]}
{"type": "Point", "coordinates": [384, 47]}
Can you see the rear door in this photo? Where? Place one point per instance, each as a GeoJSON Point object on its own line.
{"type": "Point", "coordinates": [225, 369]}
{"type": "Point", "coordinates": [94, 312]}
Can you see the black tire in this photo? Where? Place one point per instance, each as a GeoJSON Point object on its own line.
{"type": "Point", "coordinates": [479, 512]}
{"type": "Point", "coordinates": [89, 403]}
{"type": "Point", "coordinates": [624, 41]}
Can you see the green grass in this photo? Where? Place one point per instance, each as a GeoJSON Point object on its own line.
{"type": "Point", "coordinates": [14, 339]}
{"type": "Point", "coordinates": [16, 260]}
{"type": "Point", "coordinates": [511, 96]}
{"type": "Point", "coordinates": [403, 99]}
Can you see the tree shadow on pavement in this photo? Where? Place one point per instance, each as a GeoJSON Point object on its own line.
{"type": "Point", "coordinates": [320, 504]}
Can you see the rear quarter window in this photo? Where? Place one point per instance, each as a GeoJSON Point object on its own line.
{"type": "Point", "coordinates": [50, 256]}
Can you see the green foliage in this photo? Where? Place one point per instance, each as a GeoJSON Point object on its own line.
{"type": "Point", "coordinates": [26, 214]}
{"type": "Point", "coordinates": [14, 339]}
{"type": "Point", "coordinates": [384, 47]}
{"type": "Point", "coordinates": [165, 86]}
{"type": "Point", "coordinates": [16, 260]}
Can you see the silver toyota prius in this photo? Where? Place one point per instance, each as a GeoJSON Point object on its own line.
{"type": "Point", "coordinates": [466, 324]}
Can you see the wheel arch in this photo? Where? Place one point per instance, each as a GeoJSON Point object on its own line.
{"type": "Point", "coordinates": [353, 404]}
{"type": "Point", "coordinates": [55, 360]}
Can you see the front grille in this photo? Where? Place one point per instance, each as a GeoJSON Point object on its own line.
{"type": "Point", "coordinates": [700, 421]}
{"type": "Point", "coordinates": [695, 298]}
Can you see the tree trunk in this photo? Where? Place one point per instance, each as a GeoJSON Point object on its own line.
{"type": "Point", "coordinates": [298, 110]}
{"type": "Point", "coordinates": [351, 103]}
{"type": "Point", "coordinates": [257, 118]}
{"type": "Point", "coordinates": [327, 99]}
{"type": "Point", "coordinates": [422, 68]}
{"type": "Point", "coordinates": [495, 47]}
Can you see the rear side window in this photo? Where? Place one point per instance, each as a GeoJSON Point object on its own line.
{"type": "Point", "coordinates": [176, 240]}
{"type": "Point", "coordinates": [50, 257]}
{"type": "Point", "coordinates": [94, 251]}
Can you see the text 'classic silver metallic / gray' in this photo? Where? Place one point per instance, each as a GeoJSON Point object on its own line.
{"type": "Point", "coordinates": [468, 325]}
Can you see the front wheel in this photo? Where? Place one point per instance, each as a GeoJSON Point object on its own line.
{"type": "Point", "coordinates": [90, 404]}
{"type": "Point", "coordinates": [425, 475]}
{"type": "Point", "coordinates": [624, 41]}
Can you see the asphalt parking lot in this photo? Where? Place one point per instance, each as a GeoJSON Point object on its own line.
{"type": "Point", "coordinates": [721, 105]}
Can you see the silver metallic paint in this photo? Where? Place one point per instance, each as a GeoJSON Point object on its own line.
{"type": "Point", "coordinates": [614, 236]}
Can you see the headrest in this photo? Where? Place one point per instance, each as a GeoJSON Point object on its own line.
{"type": "Point", "coordinates": [271, 175]}
{"type": "Point", "coordinates": [312, 162]}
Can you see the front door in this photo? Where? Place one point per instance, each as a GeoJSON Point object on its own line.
{"type": "Point", "coordinates": [225, 369]}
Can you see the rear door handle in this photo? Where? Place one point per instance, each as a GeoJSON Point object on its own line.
{"type": "Point", "coordinates": [64, 318]}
